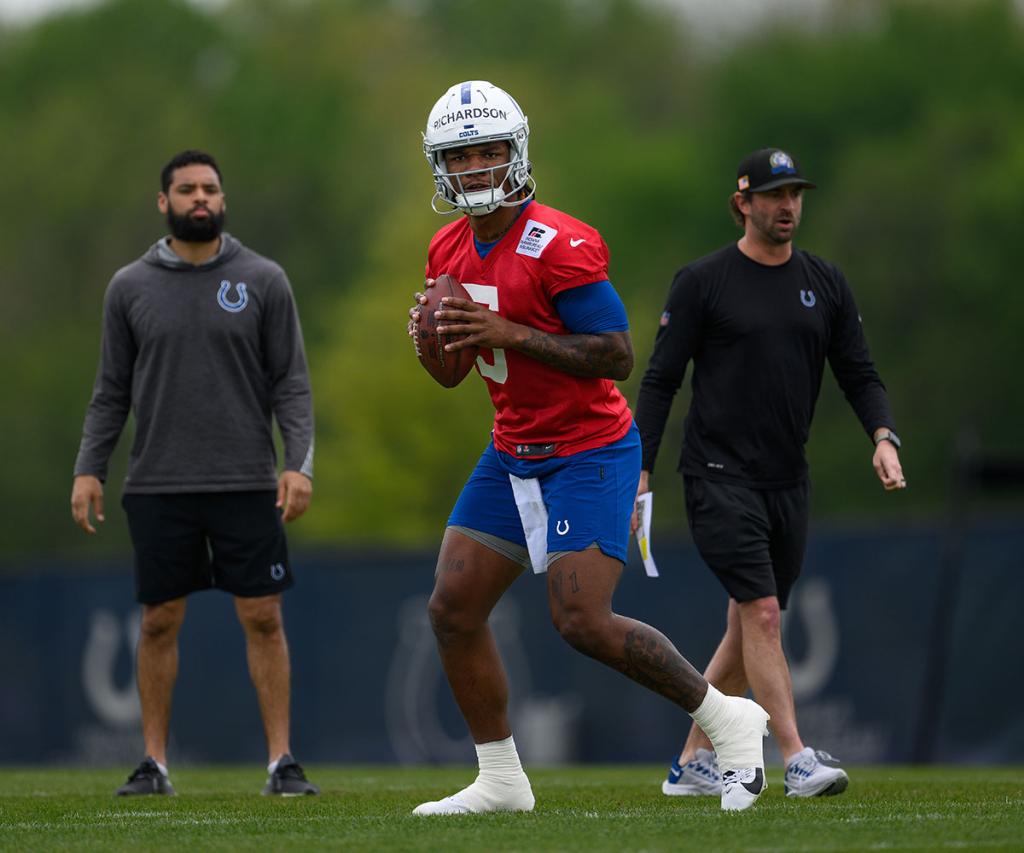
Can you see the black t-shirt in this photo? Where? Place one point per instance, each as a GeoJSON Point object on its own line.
{"type": "Point", "coordinates": [758, 337]}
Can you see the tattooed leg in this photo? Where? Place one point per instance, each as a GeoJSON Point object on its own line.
{"type": "Point", "coordinates": [580, 587]}
{"type": "Point", "coordinates": [650, 659]}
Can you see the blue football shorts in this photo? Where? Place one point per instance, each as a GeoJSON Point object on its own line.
{"type": "Point", "coordinates": [589, 496]}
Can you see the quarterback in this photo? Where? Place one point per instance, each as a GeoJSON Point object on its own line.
{"type": "Point", "coordinates": [555, 486]}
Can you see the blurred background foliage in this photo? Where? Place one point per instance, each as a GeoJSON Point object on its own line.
{"type": "Point", "coordinates": [909, 115]}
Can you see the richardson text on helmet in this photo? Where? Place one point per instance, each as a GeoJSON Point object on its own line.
{"type": "Point", "coordinates": [469, 115]}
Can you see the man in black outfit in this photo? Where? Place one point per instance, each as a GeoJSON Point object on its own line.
{"type": "Point", "coordinates": [759, 318]}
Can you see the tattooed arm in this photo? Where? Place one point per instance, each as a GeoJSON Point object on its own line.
{"type": "Point", "coordinates": [605, 356]}
{"type": "Point", "coordinates": [608, 355]}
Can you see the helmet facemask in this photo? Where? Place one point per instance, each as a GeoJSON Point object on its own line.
{"type": "Point", "coordinates": [505, 182]}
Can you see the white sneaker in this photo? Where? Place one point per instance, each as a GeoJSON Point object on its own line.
{"type": "Point", "coordinates": [813, 773]}
{"type": "Point", "coordinates": [739, 747]}
{"type": "Point", "coordinates": [741, 788]}
{"type": "Point", "coordinates": [696, 778]}
{"type": "Point", "coordinates": [483, 796]}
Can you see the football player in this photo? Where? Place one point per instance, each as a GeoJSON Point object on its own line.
{"type": "Point", "coordinates": [555, 486]}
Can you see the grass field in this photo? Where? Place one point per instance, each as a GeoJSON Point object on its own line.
{"type": "Point", "coordinates": [578, 808]}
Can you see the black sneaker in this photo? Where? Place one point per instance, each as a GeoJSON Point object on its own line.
{"type": "Point", "coordinates": [288, 780]}
{"type": "Point", "coordinates": [146, 779]}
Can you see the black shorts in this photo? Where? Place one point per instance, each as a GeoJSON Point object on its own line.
{"type": "Point", "coordinates": [753, 539]}
{"type": "Point", "coordinates": [187, 542]}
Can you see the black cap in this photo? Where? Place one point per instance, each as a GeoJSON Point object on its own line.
{"type": "Point", "coordinates": [767, 169]}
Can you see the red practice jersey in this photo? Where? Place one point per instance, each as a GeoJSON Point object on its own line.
{"type": "Point", "coordinates": [545, 252]}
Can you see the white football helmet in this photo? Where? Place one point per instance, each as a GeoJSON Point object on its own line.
{"type": "Point", "coordinates": [472, 113]}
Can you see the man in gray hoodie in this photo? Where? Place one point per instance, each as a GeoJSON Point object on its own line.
{"type": "Point", "coordinates": [201, 341]}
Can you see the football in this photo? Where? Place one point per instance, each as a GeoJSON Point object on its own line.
{"type": "Point", "coordinates": [447, 368]}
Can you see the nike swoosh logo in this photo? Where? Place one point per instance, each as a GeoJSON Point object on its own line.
{"type": "Point", "coordinates": [757, 786]}
{"type": "Point", "coordinates": [574, 242]}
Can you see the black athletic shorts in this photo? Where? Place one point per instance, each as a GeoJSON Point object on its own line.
{"type": "Point", "coordinates": [753, 539]}
{"type": "Point", "coordinates": [187, 542]}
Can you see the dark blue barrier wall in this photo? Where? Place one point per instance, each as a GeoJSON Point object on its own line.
{"type": "Point", "coordinates": [860, 633]}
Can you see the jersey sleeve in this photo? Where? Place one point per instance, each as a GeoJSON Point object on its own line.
{"type": "Point", "coordinates": [577, 256]}
{"type": "Point", "coordinates": [430, 270]}
{"type": "Point", "coordinates": [592, 309]}
{"type": "Point", "coordinates": [439, 251]}
{"type": "Point", "coordinates": [678, 339]}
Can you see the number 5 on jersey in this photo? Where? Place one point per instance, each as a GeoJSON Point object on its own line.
{"type": "Point", "coordinates": [487, 295]}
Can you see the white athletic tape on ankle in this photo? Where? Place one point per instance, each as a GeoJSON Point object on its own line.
{"type": "Point", "coordinates": [735, 727]}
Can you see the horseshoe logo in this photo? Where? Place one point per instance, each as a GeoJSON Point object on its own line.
{"type": "Point", "coordinates": [559, 529]}
{"type": "Point", "coordinates": [806, 296]}
{"type": "Point", "coordinates": [812, 606]}
{"type": "Point", "coordinates": [115, 704]}
{"type": "Point", "coordinates": [417, 705]}
{"type": "Point", "coordinates": [239, 304]}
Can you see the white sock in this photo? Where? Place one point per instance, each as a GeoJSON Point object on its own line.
{"type": "Point", "coordinates": [273, 765]}
{"type": "Point", "coordinates": [789, 759]}
{"type": "Point", "coordinates": [160, 767]}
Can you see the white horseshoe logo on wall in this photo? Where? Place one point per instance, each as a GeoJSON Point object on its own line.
{"type": "Point", "coordinates": [417, 697]}
{"type": "Point", "coordinates": [812, 605]}
{"type": "Point", "coordinates": [114, 704]}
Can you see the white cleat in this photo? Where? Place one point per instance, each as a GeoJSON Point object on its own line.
{"type": "Point", "coordinates": [741, 788]}
{"type": "Point", "coordinates": [697, 778]}
{"type": "Point", "coordinates": [483, 797]}
{"type": "Point", "coordinates": [814, 773]}
{"type": "Point", "coordinates": [739, 746]}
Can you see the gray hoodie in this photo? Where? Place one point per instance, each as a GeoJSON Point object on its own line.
{"type": "Point", "coordinates": [203, 356]}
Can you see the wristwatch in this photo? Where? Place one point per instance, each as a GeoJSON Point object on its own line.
{"type": "Point", "coordinates": [890, 436]}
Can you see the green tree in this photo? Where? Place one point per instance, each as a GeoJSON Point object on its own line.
{"type": "Point", "coordinates": [909, 118]}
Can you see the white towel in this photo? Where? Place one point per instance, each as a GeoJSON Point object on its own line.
{"type": "Point", "coordinates": [534, 515]}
